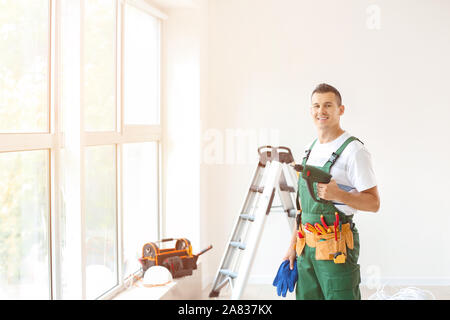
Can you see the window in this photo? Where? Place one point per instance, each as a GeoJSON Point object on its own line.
{"type": "Point", "coordinates": [141, 91]}
{"type": "Point", "coordinates": [24, 67]}
{"type": "Point", "coordinates": [24, 184]}
{"type": "Point", "coordinates": [79, 145]}
{"type": "Point", "coordinates": [24, 228]}
{"type": "Point", "coordinates": [101, 219]}
{"type": "Point", "coordinates": [99, 67]}
{"type": "Point", "coordinates": [140, 194]}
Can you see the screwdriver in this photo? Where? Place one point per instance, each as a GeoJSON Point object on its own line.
{"type": "Point", "coordinates": [310, 228]}
{"type": "Point", "coordinates": [325, 224]}
{"type": "Point", "coordinates": [336, 224]}
{"type": "Point", "coordinates": [320, 228]}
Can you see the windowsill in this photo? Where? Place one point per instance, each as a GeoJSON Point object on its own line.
{"type": "Point", "coordinates": [138, 292]}
{"type": "Point", "coordinates": [185, 288]}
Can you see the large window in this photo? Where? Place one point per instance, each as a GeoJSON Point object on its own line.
{"type": "Point", "coordinates": [99, 66]}
{"type": "Point", "coordinates": [101, 222]}
{"type": "Point", "coordinates": [141, 91]}
{"type": "Point", "coordinates": [79, 145]}
{"type": "Point", "coordinates": [140, 194]}
{"type": "Point", "coordinates": [24, 228]}
{"type": "Point", "coordinates": [24, 67]}
{"type": "Point", "coordinates": [24, 175]}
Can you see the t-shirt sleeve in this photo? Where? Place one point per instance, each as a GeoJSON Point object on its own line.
{"type": "Point", "coordinates": [360, 171]}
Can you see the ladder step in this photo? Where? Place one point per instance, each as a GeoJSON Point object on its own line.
{"type": "Point", "coordinates": [292, 213]}
{"type": "Point", "coordinates": [247, 217]}
{"type": "Point", "coordinates": [257, 189]}
{"type": "Point", "coordinates": [237, 244]}
{"type": "Point", "coordinates": [285, 187]}
{"type": "Point", "coordinates": [229, 273]}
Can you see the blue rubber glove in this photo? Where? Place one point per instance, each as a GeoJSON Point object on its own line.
{"type": "Point", "coordinates": [282, 283]}
{"type": "Point", "coordinates": [285, 279]}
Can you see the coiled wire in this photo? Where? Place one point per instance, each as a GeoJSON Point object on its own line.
{"type": "Point", "coordinates": [409, 293]}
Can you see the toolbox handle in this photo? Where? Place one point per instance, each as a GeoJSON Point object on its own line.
{"type": "Point", "coordinates": [166, 240]}
{"type": "Point", "coordinates": [204, 250]}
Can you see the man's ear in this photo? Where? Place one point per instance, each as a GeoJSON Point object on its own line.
{"type": "Point", "coordinates": [341, 110]}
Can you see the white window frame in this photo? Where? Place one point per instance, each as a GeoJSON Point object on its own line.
{"type": "Point", "coordinates": [54, 140]}
{"type": "Point", "coordinates": [18, 142]}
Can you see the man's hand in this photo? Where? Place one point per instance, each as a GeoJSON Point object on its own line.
{"type": "Point", "coordinates": [329, 191]}
{"type": "Point", "coordinates": [290, 255]}
{"type": "Point", "coordinates": [367, 200]}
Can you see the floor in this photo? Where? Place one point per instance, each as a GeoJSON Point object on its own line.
{"type": "Point", "coordinates": [190, 288]}
{"type": "Point", "coordinates": [269, 292]}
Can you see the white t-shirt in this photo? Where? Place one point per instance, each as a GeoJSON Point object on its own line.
{"type": "Point", "coordinates": [353, 169]}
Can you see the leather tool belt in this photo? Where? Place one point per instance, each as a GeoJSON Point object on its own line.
{"type": "Point", "coordinates": [327, 247]}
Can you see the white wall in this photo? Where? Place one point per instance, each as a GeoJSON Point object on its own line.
{"type": "Point", "coordinates": [264, 59]}
{"type": "Point", "coordinates": [247, 68]}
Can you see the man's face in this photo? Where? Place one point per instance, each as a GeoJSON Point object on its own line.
{"type": "Point", "coordinates": [325, 111]}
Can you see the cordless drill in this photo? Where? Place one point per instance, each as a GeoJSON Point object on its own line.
{"type": "Point", "coordinates": [312, 174]}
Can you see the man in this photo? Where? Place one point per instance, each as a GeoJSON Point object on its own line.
{"type": "Point", "coordinates": [327, 259]}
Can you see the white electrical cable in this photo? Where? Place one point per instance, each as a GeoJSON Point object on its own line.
{"type": "Point", "coordinates": [410, 293]}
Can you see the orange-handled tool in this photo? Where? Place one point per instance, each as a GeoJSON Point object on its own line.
{"type": "Point", "coordinates": [310, 228]}
{"type": "Point", "coordinates": [336, 225]}
{"type": "Point", "coordinates": [325, 224]}
{"type": "Point", "coordinates": [335, 231]}
{"type": "Point", "coordinates": [320, 228]}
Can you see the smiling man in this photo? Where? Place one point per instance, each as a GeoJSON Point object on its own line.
{"type": "Point", "coordinates": [327, 258]}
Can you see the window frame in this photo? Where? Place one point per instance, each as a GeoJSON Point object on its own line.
{"type": "Point", "coordinates": [54, 140]}
{"type": "Point", "coordinates": [44, 141]}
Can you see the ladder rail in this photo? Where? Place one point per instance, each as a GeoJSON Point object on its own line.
{"type": "Point", "coordinates": [242, 227]}
{"type": "Point", "coordinates": [242, 231]}
{"type": "Point", "coordinates": [256, 232]}
{"type": "Point", "coordinates": [289, 201]}
{"type": "Point", "coordinates": [290, 189]}
{"type": "Point", "coordinates": [259, 171]}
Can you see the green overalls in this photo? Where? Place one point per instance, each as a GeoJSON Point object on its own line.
{"type": "Point", "coordinates": [324, 279]}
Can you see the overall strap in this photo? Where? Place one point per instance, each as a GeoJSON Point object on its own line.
{"type": "Point", "coordinates": [308, 152]}
{"type": "Point", "coordinates": [338, 152]}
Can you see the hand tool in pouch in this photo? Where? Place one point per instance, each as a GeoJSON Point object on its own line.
{"type": "Point", "coordinates": [320, 228]}
{"type": "Point", "coordinates": [338, 257]}
{"type": "Point", "coordinates": [322, 219]}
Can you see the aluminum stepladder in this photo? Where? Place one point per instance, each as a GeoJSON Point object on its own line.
{"type": "Point", "coordinates": [274, 174]}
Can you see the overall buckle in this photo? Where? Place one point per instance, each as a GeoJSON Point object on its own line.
{"type": "Point", "coordinates": [333, 158]}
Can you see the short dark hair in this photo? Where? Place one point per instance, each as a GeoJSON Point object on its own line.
{"type": "Point", "coordinates": [324, 88]}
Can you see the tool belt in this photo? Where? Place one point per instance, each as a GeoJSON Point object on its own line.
{"type": "Point", "coordinates": [327, 247]}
